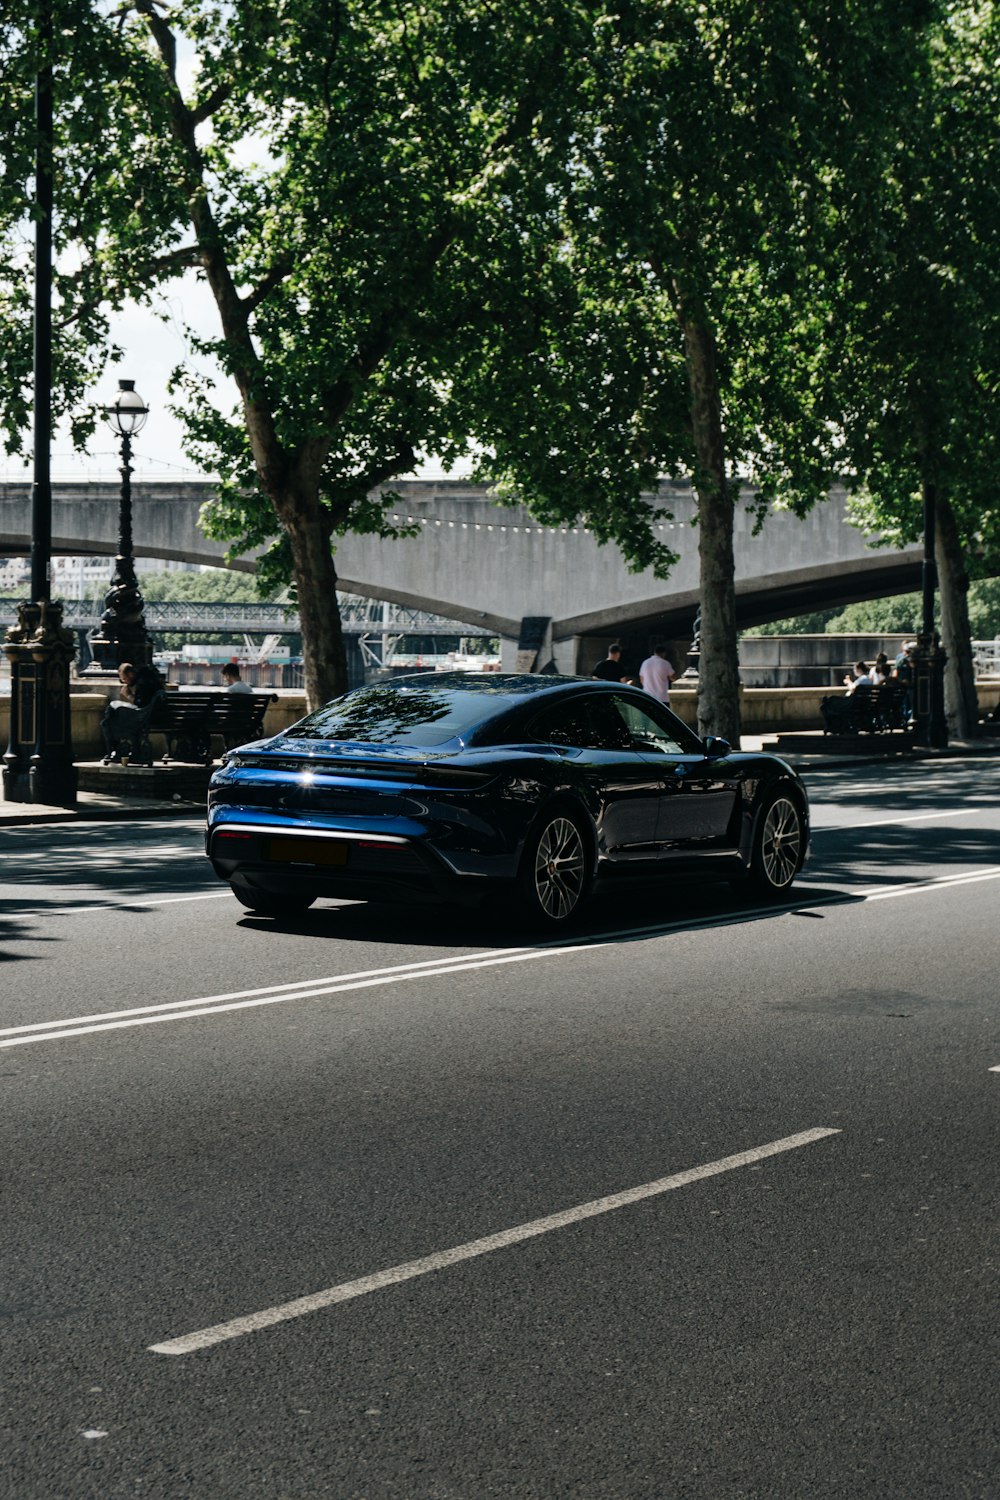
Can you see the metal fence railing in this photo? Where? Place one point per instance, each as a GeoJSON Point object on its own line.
{"type": "Point", "coordinates": [986, 657]}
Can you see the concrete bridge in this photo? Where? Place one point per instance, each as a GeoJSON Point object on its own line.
{"type": "Point", "coordinates": [494, 567]}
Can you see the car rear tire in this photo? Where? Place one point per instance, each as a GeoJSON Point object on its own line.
{"type": "Point", "coordinates": [272, 903]}
{"type": "Point", "coordinates": [777, 847]}
{"type": "Point", "coordinates": [554, 875]}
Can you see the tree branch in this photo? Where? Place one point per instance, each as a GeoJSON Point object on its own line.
{"type": "Point", "coordinates": [278, 273]}
{"type": "Point", "coordinates": [401, 462]}
{"type": "Point", "coordinates": [185, 255]}
{"type": "Point", "coordinates": [241, 355]}
{"type": "Point", "coordinates": [208, 107]}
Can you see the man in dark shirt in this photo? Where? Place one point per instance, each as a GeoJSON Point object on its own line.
{"type": "Point", "coordinates": [611, 669]}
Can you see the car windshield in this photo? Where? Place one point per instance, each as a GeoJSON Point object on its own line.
{"type": "Point", "coordinates": [422, 715]}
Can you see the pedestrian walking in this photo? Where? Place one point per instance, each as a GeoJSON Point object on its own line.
{"type": "Point", "coordinates": [611, 668]}
{"type": "Point", "coordinates": [656, 673]}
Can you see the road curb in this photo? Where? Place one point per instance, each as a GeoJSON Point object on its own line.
{"type": "Point", "coordinates": [90, 814]}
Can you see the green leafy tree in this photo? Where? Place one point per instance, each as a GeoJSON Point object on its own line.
{"type": "Point", "coordinates": [84, 69]}
{"type": "Point", "coordinates": [213, 586]}
{"type": "Point", "coordinates": [681, 314]}
{"type": "Point", "coordinates": [894, 616]}
{"type": "Point", "coordinates": [325, 169]}
{"type": "Point", "coordinates": [923, 358]}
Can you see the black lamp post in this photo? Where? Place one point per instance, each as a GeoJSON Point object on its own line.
{"type": "Point", "coordinates": [122, 634]}
{"type": "Point", "coordinates": [930, 725]}
{"type": "Point", "coordinates": [38, 762]}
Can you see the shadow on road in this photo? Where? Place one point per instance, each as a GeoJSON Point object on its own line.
{"type": "Point", "coordinates": [888, 854]}
{"type": "Point", "coordinates": [47, 870]}
{"type": "Point", "coordinates": [612, 917]}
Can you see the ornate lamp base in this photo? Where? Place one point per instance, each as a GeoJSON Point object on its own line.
{"type": "Point", "coordinates": [121, 635]}
{"type": "Point", "coordinates": [38, 764]}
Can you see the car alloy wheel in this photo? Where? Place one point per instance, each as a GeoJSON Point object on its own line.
{"type": "Point", "coordinates": [779, 848]}
{"type": "Point", "coordinates": [558, 870]}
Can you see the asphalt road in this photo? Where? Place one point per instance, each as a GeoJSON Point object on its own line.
{"type": "Point", "coordinates": [342, 1207]}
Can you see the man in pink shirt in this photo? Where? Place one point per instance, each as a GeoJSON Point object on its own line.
{"type": "Point", "coordinates": [656, 672]}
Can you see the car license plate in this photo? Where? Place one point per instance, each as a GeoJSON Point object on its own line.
{"type": "Point", "coordinates": [308, 851]}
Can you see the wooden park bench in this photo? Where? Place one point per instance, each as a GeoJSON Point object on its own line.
{"type": "Point", "coordinates": [868, 710]}
{"type": "Point", "coordinates": [188, 718]}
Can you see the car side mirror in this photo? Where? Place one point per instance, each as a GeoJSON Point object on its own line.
{"type": "Point", "coordinates": [716, 748]}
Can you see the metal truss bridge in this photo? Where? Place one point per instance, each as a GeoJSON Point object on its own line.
{"type": "Point", "coordinates": [360, 617]}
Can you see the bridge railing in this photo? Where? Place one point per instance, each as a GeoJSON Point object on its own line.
{"type": "Point", "coordinates": [358, 616]}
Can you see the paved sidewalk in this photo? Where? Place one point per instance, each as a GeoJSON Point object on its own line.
{"type": "Point", "coordinates": [96, 807]}
{"type": "Point", "coordinates": [869, 752]}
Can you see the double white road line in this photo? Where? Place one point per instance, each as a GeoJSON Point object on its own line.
{"type": "Point", "coordinates": [338, 984]}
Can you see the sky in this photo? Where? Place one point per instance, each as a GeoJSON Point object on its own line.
{"type": "Point", "coordinates": [151, 350]}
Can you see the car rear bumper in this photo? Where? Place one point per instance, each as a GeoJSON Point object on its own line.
{"type": "Point", "coordinates": [352, 864]}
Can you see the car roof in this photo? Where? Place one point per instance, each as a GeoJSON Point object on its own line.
{"type": "Point", "coordinates": [510, 685]}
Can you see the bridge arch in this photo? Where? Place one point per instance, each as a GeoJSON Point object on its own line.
{"type": "Point", "coordinates": [491, 566]}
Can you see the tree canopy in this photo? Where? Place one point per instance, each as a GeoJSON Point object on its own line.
{"type": "Point", "coordinates": [322, 168]}
{"type": "Point", "coordinates": [600, 243]}
{"type": "Point", "coordinates": [921, 377]}
{"type": "Point", "coordinates": [684, 312]}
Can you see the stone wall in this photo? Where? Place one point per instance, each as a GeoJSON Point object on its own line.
{"type": "Point", "coordinates": [88, 706]}
{"type": "Point", "coordinates": [763, 710]}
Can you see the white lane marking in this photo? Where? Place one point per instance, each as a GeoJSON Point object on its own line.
{"type": "Point", "coordinates": [294, 990]}
{"type": "Point", "coordinates": [177, 1013]}
{"type": "Point", "coordinates": [136, 901]}
{"type": "Point", "coordinates": [996, 1069]}
{"type": "Point", "coordinates": [347, 1290]}
{"type": "Point", "coordinates": [331, 984]}
{"type": "Point", "coordinates": [963, 812]}
{"type": "Point", "coordinates": [920, 887]}
{"type": "Point", "coordinates": [180, 1010]}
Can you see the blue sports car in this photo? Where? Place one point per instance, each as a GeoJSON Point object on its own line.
{"type": "Point", "coordinates": [447, 786]}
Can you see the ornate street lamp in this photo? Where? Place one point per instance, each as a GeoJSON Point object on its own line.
{"type": "Point", "coordinates": [122, 634]}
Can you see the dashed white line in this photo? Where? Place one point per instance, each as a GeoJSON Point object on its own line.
{"type": "Point", "coordinates": [235, 1328]}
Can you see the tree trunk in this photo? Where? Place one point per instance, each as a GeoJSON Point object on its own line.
{"type": "Point", "coordinates": [961, 704]}
{"type": "Point", "coordinates": [719, 676]}
{"type": "Point", "coordinates": [324, 657]}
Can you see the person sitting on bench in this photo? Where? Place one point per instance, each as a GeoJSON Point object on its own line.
{"type": "Point", "coordinates": [861, 678]}
{"type": "Point", "coordinates": [233, 681]}
{"type": "Point", "coordinates": [126, 719]}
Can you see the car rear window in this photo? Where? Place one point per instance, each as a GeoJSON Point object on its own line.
{"type": "Point", "coordinates": [407, 715]}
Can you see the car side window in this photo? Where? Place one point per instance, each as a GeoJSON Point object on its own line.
{"type": "Point", "coordinates": [645, 732]}
{"type": "Point", "coordinates": [563, 724]}
{"type": "Point", "coordinates": [584, 723]}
